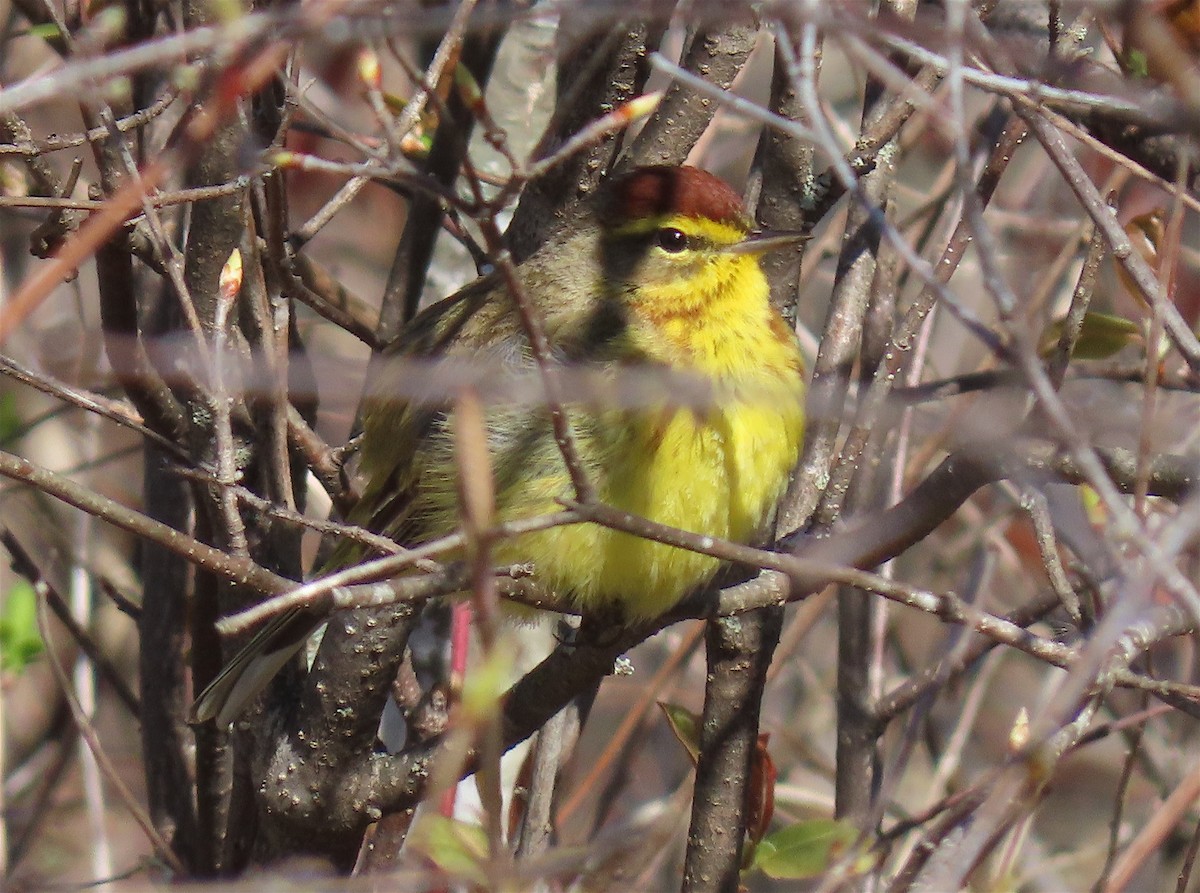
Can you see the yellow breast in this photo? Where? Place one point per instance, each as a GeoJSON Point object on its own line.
{"type": "Point", "coordinates": [719, 476]}
{"type": "Point", "coordinates": [717, 473]}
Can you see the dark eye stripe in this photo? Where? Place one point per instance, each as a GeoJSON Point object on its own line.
{"type": "Point", "coordinates": [671, 240]}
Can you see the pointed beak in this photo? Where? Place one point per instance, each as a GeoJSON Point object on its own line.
{"type": "Point", "coordinates": [762, 241]}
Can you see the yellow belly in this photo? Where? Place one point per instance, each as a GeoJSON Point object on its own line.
{"type": "Point", "coordinates": [718, 475]}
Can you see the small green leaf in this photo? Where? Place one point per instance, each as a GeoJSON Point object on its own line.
{"type": "Point", "coordinates": [11, 424]}
{"type": "Point", "coordinates": [457, 848]}
{"type": "Point", "coordinates": [20, 642]}
{"type": "Point", "coordinates": [686, 726]}
{"type": "Point", "coordinates": [46, 31]}
{"type": "Point", "coordinates": [1137, 64]}
{"type": "Point", "coordinates": [468, 87]}
{"type": "Point", "coordinates": [1101, 336]}
{"type": "Point", "coordinates": [395, 104]}
{"type": "Point", "coordinates": [1093, 505]}
{"type": "Point", "coordinates": [226, 11]}
{"type": "Point", "coordinates": [803, 850]}
{"type": "Point", "coordinates": [186, 77]}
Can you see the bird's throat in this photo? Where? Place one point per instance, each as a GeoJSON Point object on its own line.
{"type": "Point", "coordinates": [718, 323]}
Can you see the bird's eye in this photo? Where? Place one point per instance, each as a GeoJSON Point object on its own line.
{"type": "Point", "coordinates": [671, 240]}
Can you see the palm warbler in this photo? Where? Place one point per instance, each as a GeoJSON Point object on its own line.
{"type": "Point", "coordinates": [663, 273]}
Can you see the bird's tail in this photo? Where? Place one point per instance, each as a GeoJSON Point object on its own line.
{"type": "Point", "coordinates": [254, 666]}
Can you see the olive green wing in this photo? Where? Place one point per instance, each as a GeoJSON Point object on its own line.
{"type": "Point", "coordinates": [405, 404]}
{"type": "Point", "coordinates": [391, 464]}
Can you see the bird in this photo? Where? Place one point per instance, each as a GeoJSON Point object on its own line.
{"type": "Point", "coordinates": [661, 272]}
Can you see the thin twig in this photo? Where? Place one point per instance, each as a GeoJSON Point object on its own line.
{"type": "Point", "coordinates": [237, 570]}
{"type": "Point", "coordinates": [88, 731]}
{"type": "Point", "coordinates": [1081, 298]}
{"type": "Point", "coordinates": [1152, 833]}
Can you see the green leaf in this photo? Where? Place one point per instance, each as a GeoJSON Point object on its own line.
{"type": "Point", "coordinates": [46, 31]}
{"type": "Point", "coordinates": [395, 104]}
{"type": "Point", "coordinates": [686, 726]}
{"type": "Point", "coordinates": [1137, 64]}
{"type": "Point", "coordinates": [803, 850]}
{"type": "Point", "coordinates": [468, 87]}
{"type": "Point", "coordinates": [457, 848]}
{"type": "Point", "coordinates": [1101, 336]}
{"type": "Point", "coordinates": [11, 424]}
{"type": "Point", "coordinates": [20, 642]}
{"type": "Point", "coordinates": [226, 11]}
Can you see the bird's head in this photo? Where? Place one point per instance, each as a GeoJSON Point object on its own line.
{"type": "Point", "coordinates": [677, 234]}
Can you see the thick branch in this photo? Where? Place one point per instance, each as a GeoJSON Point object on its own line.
{"type": "Point", "coordinates": [739, 655]}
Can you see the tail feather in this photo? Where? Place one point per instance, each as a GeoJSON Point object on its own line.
{"type": "Point", "coordinates": [254, 666]}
